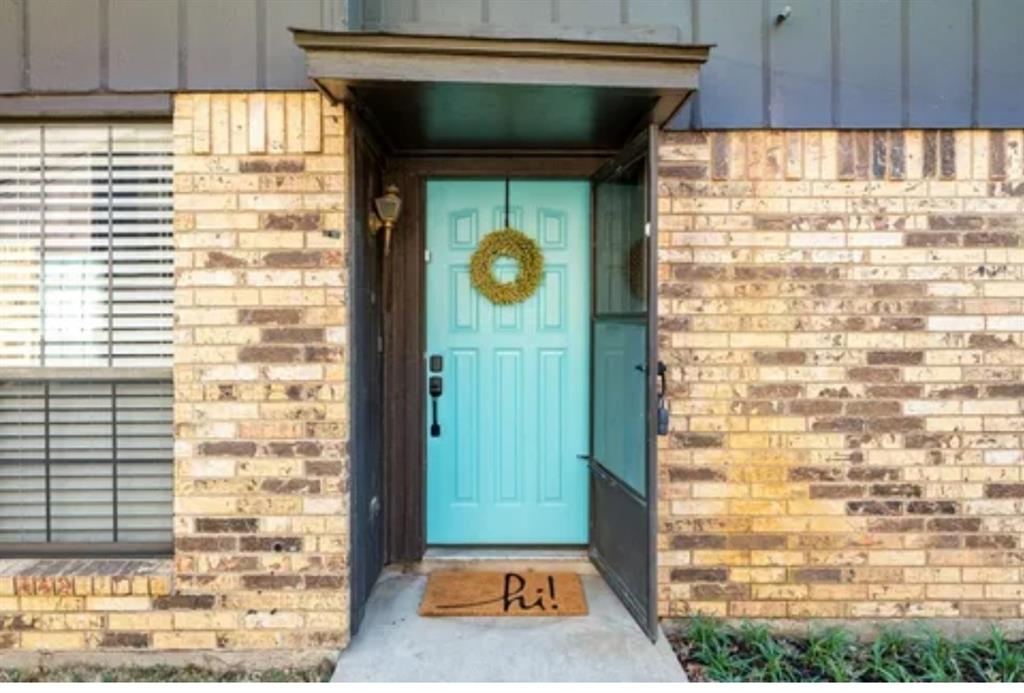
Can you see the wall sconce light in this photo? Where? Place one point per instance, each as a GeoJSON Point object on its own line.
{"type": "Point", "coordinates": [388, 206]}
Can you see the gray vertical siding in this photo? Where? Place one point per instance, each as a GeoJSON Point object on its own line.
{"type": "Point", "coordinates": [674, 13]}
{"type": "Point", "coordinates": [831, 63]}
{"type": "Point", "coordinates": [221, 43]}
{"type": "Point", "coordinates": [589, 13]}
{"type": "Point", "coordinates": [283, 60]}
{"type": "Point", "coordinates": [92, 46]}
{"type": "Point", "coordinates": [1000, 63]}
{"type": "Point", "coordinates": [732, 85]}
{"type": "Point", "coordinates": [870, 91]}
{"type": "Point", "coordinates": [939, 62]}
{"type": "Point", "coordinates": [443, 12]}
{"type": "Point", "coordinates": [397, 12]}
{"type": "Point", "coordinates": [800, 74]}
{"type": "Point", "coordinates": [511, 13]}
{"type": "Point", "coordinates": [611, 20]}
{"type": "Point", "coordinates": [11, 46]}
{"type": "Point", "coordinates": [143, 45]}
{"type": "Point", "coordinates": [63, 44]}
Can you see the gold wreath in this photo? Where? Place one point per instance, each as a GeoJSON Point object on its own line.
{"type": "Point", "coordinates": [512, 244]}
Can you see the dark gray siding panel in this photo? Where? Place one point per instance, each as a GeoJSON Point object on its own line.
{"type": "Point", "coordinates": [370, 13]}
{"type": "Point", "coordinates": [678, 13]}
{"type": "Point", "coordinates": [398, 11]}
{"type": "Point", "coordinates": [596, 20]}
{"type": "Point", "coordinates": [939, 62]}
{"type": "Point", "coordinates": [870, 85]}
{"type": "Point", "coordinates": [443, 11]}
{"type": "Point", "coordinates": [93, 105]}
{"type": "Point", "coordinates": [221, 44]}
{"type": "Point", "coordinates": [732, 81]}
{"type": "Point", "coordinates": [10, 46]}
{"type": "Point", "coordinates": [285, 65]}
{"type": "Point", "coordinates": [520, 12]}
{"type": "Point", "coordinates": [1001, 63]}
{"type": "Point", "coordinates": [143, 45]}
{"type": "Point", "coordinates": [845, 63]}
{"type": "Point", "coordinates": [340, 14]}
{"type": "Point", "coordinates": [64, 45]}
{"type": "Point", "coordinates": [590, 13]}
{"type": "Point", "coordinates": [801, 61]}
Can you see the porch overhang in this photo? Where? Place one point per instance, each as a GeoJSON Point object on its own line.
{"type": "Point", "coordinates": [430, 95]}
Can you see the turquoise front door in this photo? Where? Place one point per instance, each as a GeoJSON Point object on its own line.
{"type": "Point", "coordinates": [512, 414]}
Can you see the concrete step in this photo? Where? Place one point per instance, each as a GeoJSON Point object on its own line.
{"type": "Point", "coordinates": [394, 643]}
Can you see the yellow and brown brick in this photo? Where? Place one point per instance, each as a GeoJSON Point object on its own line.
{"type": "Point", "coordinates": [841, 313]}
{"type": "Point", "coordinates": [841, 316]}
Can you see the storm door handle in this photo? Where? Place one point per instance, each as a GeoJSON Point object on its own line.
{"type": "Point", "coordinates": [662, 390]}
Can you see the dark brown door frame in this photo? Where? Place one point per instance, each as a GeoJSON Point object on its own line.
{"type": "Point", "coordinates": [405, 330]}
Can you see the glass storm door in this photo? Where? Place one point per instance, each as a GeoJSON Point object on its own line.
{"type": "Point", "coordinates": [507, 402]}
{"type": "Point", "coordinates": [623, 474]}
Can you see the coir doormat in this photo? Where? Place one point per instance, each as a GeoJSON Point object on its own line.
{"type": "Point", "coordinates": [527, 593]}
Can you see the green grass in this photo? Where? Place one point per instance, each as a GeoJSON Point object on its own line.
{"type": "Point", "coordinates": [165, 673]}
{"type": "Point", "coordinates": [712, 651]}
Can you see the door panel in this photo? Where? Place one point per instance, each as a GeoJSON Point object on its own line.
{"type": "Point", "coordinates": [622, 460]}
{"type": "Point", "coordinates": [620, 357]}
{"type": "Point", "coordinates": [367, 367]}
{"type": "Point", "coordinates": [512, 412]}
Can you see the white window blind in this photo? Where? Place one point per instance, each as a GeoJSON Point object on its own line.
{"type": "Point", "coordinates": [85, 227]}
{"type": "Point", "coordinates": [86, 296]}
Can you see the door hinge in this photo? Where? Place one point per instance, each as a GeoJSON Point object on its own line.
{"type": "Point", "coordinates": [647, 229]}
{"type": "Point", "coordinates": [380, 344]}
{"type": "Point", "coordinates": [426, 256]}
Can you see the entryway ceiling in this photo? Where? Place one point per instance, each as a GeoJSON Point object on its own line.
{"type": "Point", "coordinates": [447, 95]}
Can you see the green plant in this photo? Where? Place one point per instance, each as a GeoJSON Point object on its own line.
{"type": "Point", "coordinates": [770, 659]}
{"type": "Point", "coordinates": [885, 658]}
{"type": "Point", "coordinates": [938, 658]}
{"type": "Point", "coordinates": [995, 659]}
{"type": "Point", "coordinates": [829, 655]}
{"type": "Point", "coordinates": [711, 645]}
{"type": "Point", "coordinates": [713, 651]}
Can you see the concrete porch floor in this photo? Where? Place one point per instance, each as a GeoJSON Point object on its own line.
{"type": "Point", "coordinates": [396, 644]}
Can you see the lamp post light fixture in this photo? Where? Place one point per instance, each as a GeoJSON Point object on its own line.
{"type": "Point", "coordinates": [388, 206]}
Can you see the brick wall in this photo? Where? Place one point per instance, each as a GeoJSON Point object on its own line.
{"type": "Point", "coordinates": [842, 316]}
{"type": "Point", "coordinates": [261, 404]}
{"type": "Point", "coordinates": [261, 370]}
{"type": "Point", "coordinates": [81, 604]}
